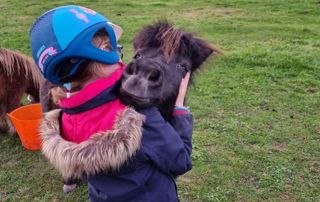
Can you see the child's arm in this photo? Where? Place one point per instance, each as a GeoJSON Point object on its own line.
{"type": "Point", "coordinates": [180, 120]}
{"type": "Point", "coordinates": [167, 148]}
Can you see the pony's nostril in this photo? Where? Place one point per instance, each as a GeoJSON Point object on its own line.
{"type": "Point", "coordinates": [154, 75]}
{"type": "Point", "coordinates": [131, 69]}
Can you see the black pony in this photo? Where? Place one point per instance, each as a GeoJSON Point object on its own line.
{"type": "Point", "coordinates": [163, 56]}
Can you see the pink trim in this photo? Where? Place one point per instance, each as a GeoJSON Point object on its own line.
{"type": "Point", "coordinates": [180, 112]}
{"type": "Point", "coordinates": [92, 89]}
{"type": "Point", "coordinates": [80, 127]}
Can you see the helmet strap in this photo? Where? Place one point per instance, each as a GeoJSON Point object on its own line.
{"type": "Point", "coordinates": [67, 86]}
{"type": "Point", "coordinates": [120, 50]}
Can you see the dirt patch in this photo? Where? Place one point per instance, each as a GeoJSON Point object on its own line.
{"type": "Point", "coordinates": [287, 197]}
{"type": "Point", "coordinates": [210, 12]}
{"type": "Point", "coordinates": [224, 11]}
{"type": "Point", "coordinates": [3, 195]}
{"type": "Point", "coordinates": [315, 167]}
{"type": "Point", "coordinates": [317, 129]}
{"type": "Point", "coordinates": [10, 163]}
{"type": "Point", "coordinates": [210, 147]}
{"type": "Point", "coordinates": [278, 148]}
{"type": "Point", "coordinates": [312, 89]}
{"type": "Point", "coordinates": [185, 179]}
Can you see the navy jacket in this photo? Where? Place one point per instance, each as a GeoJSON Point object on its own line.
{"type": "Point", "coordinates": [149, 176]}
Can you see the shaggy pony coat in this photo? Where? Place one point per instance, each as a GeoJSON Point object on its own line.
{"type": "Point", "coordinates": [18, 75]}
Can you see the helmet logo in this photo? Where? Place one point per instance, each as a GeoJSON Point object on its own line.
{"type": "Point", "coordinates": [87, 10]}
{"type": "Point", "coordinates": [80, 16]}
{"type": "Point", "coordinates": [45, 55]}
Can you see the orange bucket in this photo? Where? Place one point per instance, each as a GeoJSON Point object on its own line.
{"type": "Point", "coordinates": [26, 120]}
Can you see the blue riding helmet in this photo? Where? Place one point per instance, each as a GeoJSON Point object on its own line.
{"type": "Point", "coordinates": [61, 40]}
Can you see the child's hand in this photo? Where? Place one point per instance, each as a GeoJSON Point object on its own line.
{"type": "Point", "coordinates": [183, 90]}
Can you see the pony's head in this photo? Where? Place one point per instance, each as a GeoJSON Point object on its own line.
{"type": "Point", "coordinates": [163, 56]}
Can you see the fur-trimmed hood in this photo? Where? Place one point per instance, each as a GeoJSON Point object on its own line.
{"type": "Point", "coordinates": [103, 151]}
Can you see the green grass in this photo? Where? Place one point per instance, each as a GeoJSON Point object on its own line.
{"type": "Point", "coordinates": [257, 108]}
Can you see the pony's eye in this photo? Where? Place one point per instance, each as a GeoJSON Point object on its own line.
{"type": "Point", "coordinates": [137, 56]}
{"type": "Point", "coordinates": [182, 67]}
{"type": "Point", "coordinates": [179, 66]}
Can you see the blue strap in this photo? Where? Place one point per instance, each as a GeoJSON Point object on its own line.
{"type": "Point", "coordinates": [181, 108]}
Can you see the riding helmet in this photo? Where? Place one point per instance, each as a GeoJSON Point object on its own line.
{"type": "Point", "coordinates": [61, 40]}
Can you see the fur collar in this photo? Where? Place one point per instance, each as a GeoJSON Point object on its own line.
{"type": "Point", "coordinates": [102, 152]}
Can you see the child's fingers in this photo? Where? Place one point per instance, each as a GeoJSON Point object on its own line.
{"type": "Point", "coordinates": [183, 90]}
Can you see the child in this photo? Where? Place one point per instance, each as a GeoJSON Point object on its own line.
{"type": "Point", "coordinates": [95, 134]}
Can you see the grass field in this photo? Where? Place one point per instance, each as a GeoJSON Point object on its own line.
{"type": "Point", "coordinates": [257, 108]}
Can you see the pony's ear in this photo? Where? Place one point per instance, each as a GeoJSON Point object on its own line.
{"type": "Point", "coordinates": [200, 51]}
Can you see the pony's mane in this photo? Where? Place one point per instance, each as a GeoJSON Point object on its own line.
{"type": "Point", "coordinates": [14, 62]}
{"type": "Point", "coordinates": [170, 41]}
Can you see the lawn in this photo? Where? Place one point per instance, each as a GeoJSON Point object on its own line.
{"type": "Point", "coordinates": [257, 108]}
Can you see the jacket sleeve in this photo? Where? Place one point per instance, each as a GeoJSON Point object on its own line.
{"type": "Point", "coordinates": [168, 146]}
